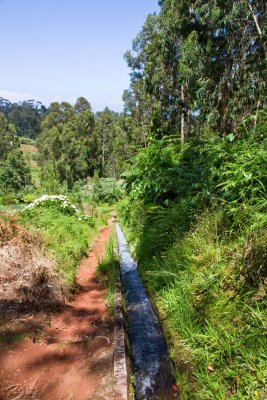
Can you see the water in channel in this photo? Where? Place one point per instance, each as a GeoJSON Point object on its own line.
{"type": "Point", "coordinates": [152, 368]}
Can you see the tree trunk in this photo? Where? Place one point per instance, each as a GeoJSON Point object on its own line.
{"type": "Point", "coordinates": [103, 156]}
{"type": "Point", "coordinates": [255, 18]}
{"type": "Point", "coordinates": [182, 115]}
{"type": "Point", "coordinates": [188, 123]}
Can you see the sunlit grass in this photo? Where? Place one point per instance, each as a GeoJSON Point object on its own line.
{"type": "Point", "coordinates": [108, 268]}
{"type": "Point", "coordinates": [66, 239]}
{"type": "Point", "coordinates": [208, 289]}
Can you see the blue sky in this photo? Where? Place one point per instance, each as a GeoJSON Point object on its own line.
{"type": "Point", "coordinates": [56, 50]}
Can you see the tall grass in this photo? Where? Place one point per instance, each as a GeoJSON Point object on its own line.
{"type": "Point", "coordinates": [108, 268]}
{"type": "Point", "coordinates": [208, 284]}
{"type": "Point", "coordinates": [66, 238]}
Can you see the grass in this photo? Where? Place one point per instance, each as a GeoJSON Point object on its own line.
{"type": "Point", "coordinates": [11, 209]}
{"type": "Point", "coordinates": [11, 338]}
{"type": "Point", "coordinates": [208, 286]}
{"type": "Point", "coordinates": [66, 239]}
{"type": "Point", "coordinates": [108, 268]}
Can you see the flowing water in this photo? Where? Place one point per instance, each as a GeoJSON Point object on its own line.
{"type": "Point", "coordinates": [149, 352]}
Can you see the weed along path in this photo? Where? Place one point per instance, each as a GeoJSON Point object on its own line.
{"type": "Point", "coordinates": [72, 357]}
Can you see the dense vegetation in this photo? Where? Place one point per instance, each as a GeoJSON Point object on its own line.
{"type": "Point", "coordinates": [198, 65]}
{"type": "Point", "coordinates": [65, 231]}
{"type": "Point", "coordinates": [14, 173]}
{"type": "Point", "coordinates": [199, 233]}
{"type": "Point", "coordinates": [196, 207]}
{"type": "Point", "coordinates": [25, 116]}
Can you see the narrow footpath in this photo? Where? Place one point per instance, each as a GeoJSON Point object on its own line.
{"type": "Point", "coordinates": [72, 357]}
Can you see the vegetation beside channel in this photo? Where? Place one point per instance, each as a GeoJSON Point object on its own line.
{"type": "Point", "coordinates": [203, 258]}
{"type": "Point", "coordinates": [196, 207]}
{"type": "Point", "coordinates": [108, 270]}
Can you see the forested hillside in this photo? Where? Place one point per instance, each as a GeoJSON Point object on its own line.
{"type": "Point", "coordinates": [26, 116]}
{"type": "Point", "coordinates": [73, 145]}
{"type": "Point", "coordinates": [185, 163]}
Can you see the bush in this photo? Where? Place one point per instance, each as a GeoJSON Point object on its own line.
{"type": "Point", "coordinates": [60, 203]}
{"type": "Point", "coordinates": [8, 199]}
{"type": "Point", "coordinates": [103, 190]}
{"type": "Point", "coordinates": [29, 198]}
{"type": "Point", "coordinates": [26, 140]}
{"type": "Point", "coordinates": [14, 173]}
{"type": "Point", "coordinates": [196, 216]}
{"type": "Point", "coordinates": [66, 232]}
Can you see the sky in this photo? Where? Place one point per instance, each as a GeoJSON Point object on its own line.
{"type": "Point", "coordinates": [59, 50]}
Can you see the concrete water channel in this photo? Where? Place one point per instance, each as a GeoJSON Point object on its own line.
{"type": "Point", "coordinates": [149, 352]}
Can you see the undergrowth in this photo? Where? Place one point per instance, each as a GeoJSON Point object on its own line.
{"type": "Point", "coordinates": [108, 268]}
{"type": "Point", "coordinates": [66, 237]}
{"type": "Point", "coordinates": [196, 221]}
{"type": "Point", "coordinates": [211, 296]}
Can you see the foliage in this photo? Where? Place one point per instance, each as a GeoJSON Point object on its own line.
{"type": "Point", "coordinates": [66, 142]}
{"type": "Point", "coordinates": [14, 173]}
{"type": "Point", "coordinates": [223, 170]}
{"type": "Point", "coordinates": [26, 140]}
{"type": "Point", "coordinates": [195, 65]}
{"type": "Point", "coordinates": [29, 198]}
{"type": "Point", "coordinates": [76, 144]}
{"type": "Point", "coordinates": [108, 269]}
{"type": "Point", "coordinates": [59, 203]}
{"type": "Point", "coordinates": [65, 235]}
{"type": "Point", "coordinates": [8, 199]}
{"type": "Point", "coordinates": [109, 190]}
{"type": "Point", "coordinates": [25, 116]}
{"type": "Point", "coordinates": [8, 137]}
{"type": "Point", "coordinates": [98, 190]}
{"type": "Point", "coordinates": [196, 217]}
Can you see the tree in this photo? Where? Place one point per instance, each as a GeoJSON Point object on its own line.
{"type": "Point", "coordinates": [81, 105]}
{"type": "Point", "coordinates": [8, 137]}
{"type": "Point", "coordinates": [104, 133]}
{"type": "Point", "coordinates": [66, 142]}
{"type": "Point", "coordinates": [14, 173]}
{"type": "Point", "coordinates": [25, 116]}
{"type": "Point", "coordinates": [198, 65]}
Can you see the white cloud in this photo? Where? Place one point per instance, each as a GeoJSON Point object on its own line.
{"type": "Point", "coordinates": [98, 102]}
{"type": "Point", "coordinates": [17, 96]}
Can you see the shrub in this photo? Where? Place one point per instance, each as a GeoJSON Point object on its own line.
{"type": "Point", "coordinates": [196, 216]}
{"type": "Point", "coordinates": [29, 198]}
{"type": "Point", "coordinates": [57, 202]}
{"type": "Point", "coordinates": [103, 190]}
{"type": "Point", "coordinates": [8, 199]}
{"type": "Point", "coordinates": [65, 231]}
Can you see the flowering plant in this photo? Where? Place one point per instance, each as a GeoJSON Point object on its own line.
{"type": "Point", "coordinates": [60, 202]}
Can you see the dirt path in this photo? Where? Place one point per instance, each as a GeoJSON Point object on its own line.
{"type": "Point", "coordinates": [72, 359]}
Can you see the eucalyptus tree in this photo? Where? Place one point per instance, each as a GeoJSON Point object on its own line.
{"type": "Point", "coordinates": [8, 137]}
{"type": "Point", "coordinates": [66, 144]}
{"type": "Point", "coordinates": [26, 116]}
{"type": "Point", "coordinates": [105, 130]}
{"type": "Point", "coordinates": [234, 83]}
{"type": "Point", "coordinates": [198, 64]}
{"type": "Point", "coordinates": [14, 173]}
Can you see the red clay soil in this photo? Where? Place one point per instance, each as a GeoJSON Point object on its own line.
{"type": "Point", "coordinates": [72, 357]}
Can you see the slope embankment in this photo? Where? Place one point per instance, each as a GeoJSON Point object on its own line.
{"type": "Point", "coordinates": [66, 356]}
